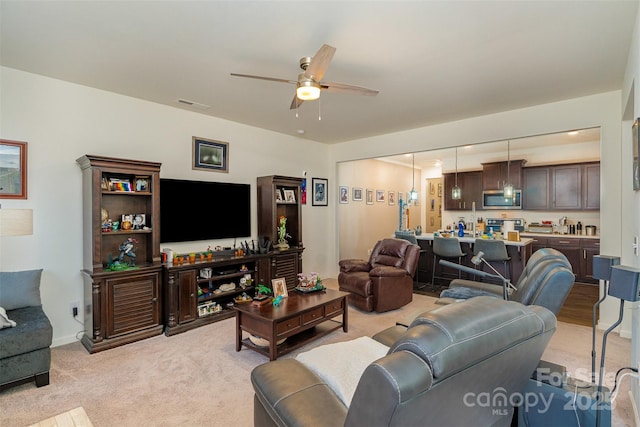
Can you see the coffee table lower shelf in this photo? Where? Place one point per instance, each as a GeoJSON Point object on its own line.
{"type": "Point", "coordinates": [296, 341]}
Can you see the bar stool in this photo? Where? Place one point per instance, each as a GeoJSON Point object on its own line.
{"type": "Point", "coordinates": [445, 248]}
{"type": "Point", "coordinates": [494, 251]}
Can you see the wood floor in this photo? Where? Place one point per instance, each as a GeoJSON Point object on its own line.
{"type": "Point", "coordinates": [577, 309]}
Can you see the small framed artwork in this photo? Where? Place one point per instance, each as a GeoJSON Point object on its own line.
{"type": "Point", "coordinates": [210, 155]}
{"type": "Point", "coordinates": [116, 184]}
{"type": "Point", "coordinates": [392, 198]}
{"type": "Point", "coordinates": [344, 194]}
{"type": "Point", "coordinates": [142, 183]}
{"type": "Point", "coordinates": [103, 184]}
{"type": "Point", "coordinates": [379, 195]}
{"type": "Point", "coordinates": [279, 287]}
{"type": "Point", "coordinates": [357, 194]}
{"type": "Point", "coordinates": [369, 196]}
{"type": "Point", "coordinates": [279, 198]}
{"type": "Point", "coordinates": [139, 221]}
{"type": "Point", "coordinates": [319, 195]}
{"type": "Point", "coordinates": [289, 196]}
{"type": "Point", "coordinates": [13, 165]}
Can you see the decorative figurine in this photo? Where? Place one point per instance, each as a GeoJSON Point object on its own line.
{"type": "Point", "coordinates": [126, 248]}
{"type": "Point", "coordinates": [282, 234]}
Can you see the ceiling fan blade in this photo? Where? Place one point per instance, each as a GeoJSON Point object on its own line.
{"type": "Point", "coordinates": [345, 88]}
{"type": "Point", "coordinates": [320, 62]}
{"type": "Point", "coordinates": [273, 79]}
{"type": "Point", "coordinates": [296, 102]}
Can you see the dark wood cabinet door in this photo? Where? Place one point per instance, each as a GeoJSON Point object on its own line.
{"type": "Point", "coordinates": [591, 186]}
{"type": "Point", "coordinates": [566, 187]}
{"type": "Point", "coordinates": [132, 303]}
{"type": "Point", "coordinates": [535, 189]}
{"type": "Point", "coordinates": [492, 176]}
{"type": "Point", "coordinates": [496, 175]}
{"type": "Point", "coordinates": [471, 185]}
{"type": "Point", "coordinates": [570, 247]}
{"type": "Point", "coordinates": [590, 248]}
{"type": "Point", "coordinates": [286, 265]}
{"type": "Point", "coordinates": [187, 295]}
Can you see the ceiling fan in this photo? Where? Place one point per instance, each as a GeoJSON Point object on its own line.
{"type": "Point", "coordinates": [309, 84]}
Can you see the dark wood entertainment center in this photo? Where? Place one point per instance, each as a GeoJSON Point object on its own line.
{"type": "Point", "coordinates": [122, 306]}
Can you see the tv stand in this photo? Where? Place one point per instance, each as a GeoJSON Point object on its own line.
{"type": "Point", "coordinates": [185, 309]}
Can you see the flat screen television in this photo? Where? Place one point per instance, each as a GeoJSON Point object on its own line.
{"type": "Point", "coordinates": [203, 210]}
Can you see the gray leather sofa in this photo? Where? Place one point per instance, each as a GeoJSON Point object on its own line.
{"type": "Point", "coordinates": [439, 372]}
{"type": "Point", "coordinates": [25, 332]}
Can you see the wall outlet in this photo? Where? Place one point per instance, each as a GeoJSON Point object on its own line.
{"type": "Point", "coordinates": [74, 308]}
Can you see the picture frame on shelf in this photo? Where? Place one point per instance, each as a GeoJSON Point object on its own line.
{"type": "Point", "coordinates": [380, 196]}
{"type": "Point", "coordinates": [344, 194]}
{"type": "Point", "coordinates": [357, 194]}
{"type": "Point", "coordinates": [139, 221]}
{"type": "Point", "coordinates": [369, 196]}
{"type": "Point", "coordinates": [210, 155]}
{"type": "Point", "coordinates": [319, 187]}
{"type": "Point", "coordinates": [289, 196]}
{"type": "Point", "coordinates": [13, 163]}
{"type": "Point", "coordinates": [279, 198]}
{"type": "Point", "coordinates": [103, 184]}
{"type": "Point", "coordinates": [142, 184]}
{"type": "Point", "coordinates": [122, 185]}
{"type": "Point", "coordinates": [279, 286]}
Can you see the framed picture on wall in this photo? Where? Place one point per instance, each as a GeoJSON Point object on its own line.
{"type": "Point", "coordinates": [369, 196]}
{"type": "Point", "coordinates": [357, 194]}
{"type": "Point", "coordinates": [379, 195]}
{"type": "Point", "coordinates": [319, 195]}
{"type": "Point", "coordinates": [392, 198]}
{"type": "Point", "coordinates": [210, 155]}
{"type": "Point", "coordinates": [344, 194]}
{"type": "Point", "coordinates": [13, 164]}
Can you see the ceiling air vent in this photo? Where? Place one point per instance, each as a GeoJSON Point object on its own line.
{"type": "Point", "coordinates": [193, 104]}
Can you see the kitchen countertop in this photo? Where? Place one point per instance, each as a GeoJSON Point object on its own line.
{"type": "Point", "coordinates": [564, 236]}
{"type": "Point", "coordinates": [468, 239]}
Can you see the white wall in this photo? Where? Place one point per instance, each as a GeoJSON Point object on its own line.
{"type": "Point", "coordinates": [62, 121]}
{"type": "Point", "coordinates": [630, 212]}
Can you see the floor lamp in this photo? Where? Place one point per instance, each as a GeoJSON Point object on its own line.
{"type": "Point", "coordinates": [601, 271]}
{"type": "Point", "coordinates": [624, 284]}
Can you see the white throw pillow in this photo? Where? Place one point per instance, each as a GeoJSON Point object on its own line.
{"type": "Point", "coordinates": [5, 322]}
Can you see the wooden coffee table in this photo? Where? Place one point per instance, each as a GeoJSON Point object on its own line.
{"type": "Point", "coordinates": [299, 318]}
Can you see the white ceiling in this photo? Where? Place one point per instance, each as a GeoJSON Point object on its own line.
{"type": "Point", "coordinates": [432, 61]}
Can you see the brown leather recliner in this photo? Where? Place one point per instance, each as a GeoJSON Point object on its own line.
{"type": "Point", "coordinates": [385, 282]}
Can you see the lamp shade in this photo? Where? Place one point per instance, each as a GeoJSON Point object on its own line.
{"type": "Point", "coordinates": [16, 222]}
{"type": "Point", "coordinates": [624, 283]}
{"type": "Point", "coordinates": [602, 266]}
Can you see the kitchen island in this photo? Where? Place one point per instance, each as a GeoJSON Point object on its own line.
{"type": "Point", "coordinates": [518, 251]}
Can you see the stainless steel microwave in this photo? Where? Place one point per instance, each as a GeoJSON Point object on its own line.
{"type": "Point", "coordinates": [495, 199]}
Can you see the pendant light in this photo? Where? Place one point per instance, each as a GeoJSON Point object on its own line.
{"type": "Point", "coordinates": [508, 188]}
{"type": "Point", "coordinates": [413, 194]}
{"type": "Point", "coordinates": [456, 192]}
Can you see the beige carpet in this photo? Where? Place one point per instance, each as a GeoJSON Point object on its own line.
{"type": "Point", "coordinates": [197, 378]}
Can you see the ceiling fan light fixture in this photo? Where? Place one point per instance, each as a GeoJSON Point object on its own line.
{"type": "Point", "coordinates": [308, 90]}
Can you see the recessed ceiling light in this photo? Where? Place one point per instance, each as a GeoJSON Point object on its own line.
{"type": "Point", "coordinates": [573, 132]}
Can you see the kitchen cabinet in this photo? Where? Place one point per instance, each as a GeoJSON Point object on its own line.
{"type": "Point", "coordinates": [579, 252]}
{"type": "Point", "coordinates": [535, 189]}
{"type": "Point", "coordinates": [591, 186]}
{"type": "Point", "coordinates": [471, 185]}
{"type": "Point", "coordinates": [562, 187]}
{"type": "Point", "coordinates": [566, 187]}
{"type": "Point", "coordinates": [496, 175]}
